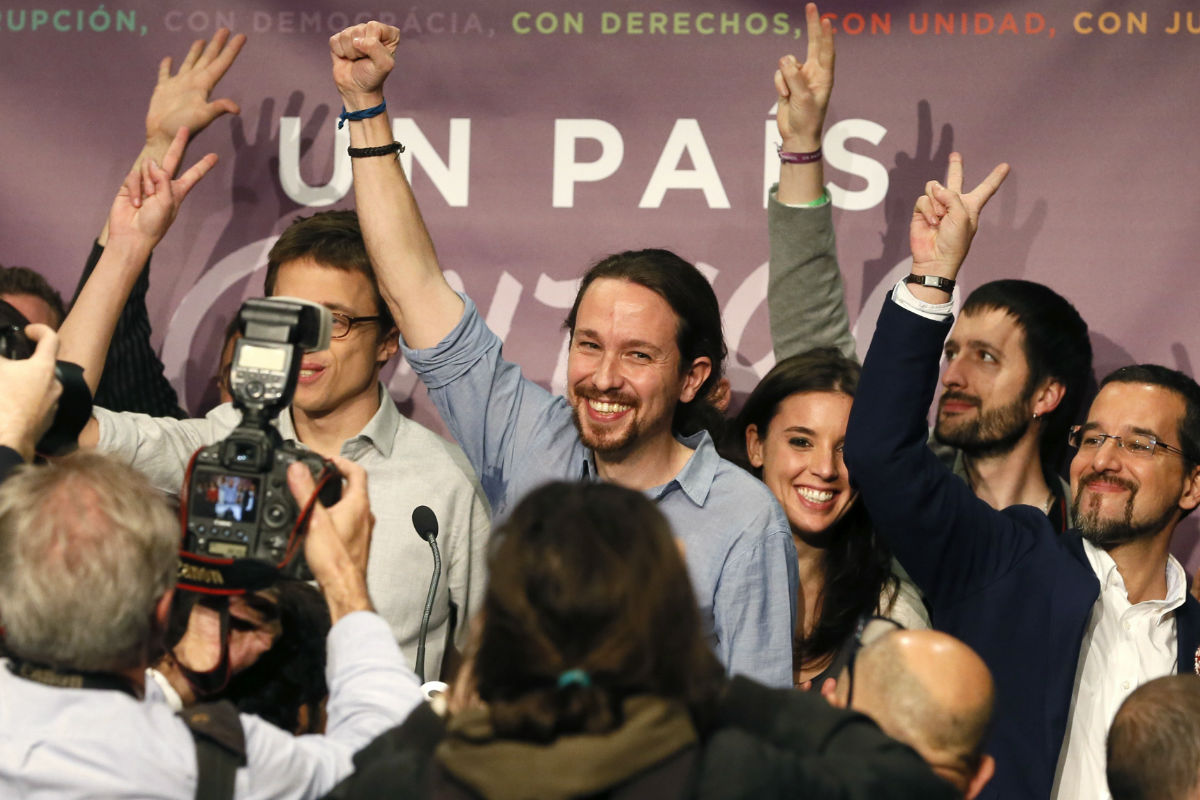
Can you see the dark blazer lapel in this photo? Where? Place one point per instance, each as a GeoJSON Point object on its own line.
{"type": "Point", "coordinates": [1187, 635]}
{"type": "Point", "coordinates": [1073, 596]}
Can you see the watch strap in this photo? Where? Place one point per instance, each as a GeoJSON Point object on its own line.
{"type": "Point", "coordinates": [932, 281]}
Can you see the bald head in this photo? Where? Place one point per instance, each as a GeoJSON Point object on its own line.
{"type": "Point", "coordinates": [1154, 742]}
{"type": "Point", "coordinates": [932, 692]}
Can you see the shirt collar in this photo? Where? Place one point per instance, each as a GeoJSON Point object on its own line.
{"type": "Point", "coordinates": [287, 428]}
{"type": "Point", "coordinates": [696, 477]}
{"type": "Point", "coordinates": [1102, 565]}
{"type": "Point", "coordinates": [379, 432]}
{"type": "Point", "coordinates": [1176, 584]}
{"type": "Point", "coordinates": [1109, 576]}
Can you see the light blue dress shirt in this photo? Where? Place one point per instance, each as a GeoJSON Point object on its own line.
{"type": "Point", "coordinates": [518, 436]}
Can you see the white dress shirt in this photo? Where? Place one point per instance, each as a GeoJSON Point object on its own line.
{"type": "Point", "coordinates": [159, 689]}
{"type": "Point", "coordinates": [938, 312]}
{"type": "Point", "coordinates": [81, 744]}
{"type": "Point", "coordinates": [1124, 646]}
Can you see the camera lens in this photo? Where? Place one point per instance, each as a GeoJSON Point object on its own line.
{"type": "Point", "coordinates": [13, 342]}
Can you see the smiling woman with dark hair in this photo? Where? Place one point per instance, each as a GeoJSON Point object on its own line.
{"type": "Point", "coordinates": [792, 428]}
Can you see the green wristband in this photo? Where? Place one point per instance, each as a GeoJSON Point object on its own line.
{"type": "Point", "coordinates": [820, 201]}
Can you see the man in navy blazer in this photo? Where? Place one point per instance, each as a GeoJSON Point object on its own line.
{"type": "Point", "coordinates": [1068, 624]}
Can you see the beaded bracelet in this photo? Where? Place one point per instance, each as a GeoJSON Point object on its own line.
{"type": "Point", "coordinates": [381, 150]}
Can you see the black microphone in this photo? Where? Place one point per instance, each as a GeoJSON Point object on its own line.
{"type": "Point", "coordinates": [426, 525]}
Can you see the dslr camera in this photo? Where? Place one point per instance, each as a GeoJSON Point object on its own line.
{"type": "Point", "coordinates": [75, 402]}
{"type": "Point", "coordinates": [242, 525]}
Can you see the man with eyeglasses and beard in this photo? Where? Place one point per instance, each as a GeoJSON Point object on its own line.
{"type": "Point", "coordinates": [1068, 625]}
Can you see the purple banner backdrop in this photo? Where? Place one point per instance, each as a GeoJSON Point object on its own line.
{"type": "Point", "coordinates": [544, 136]}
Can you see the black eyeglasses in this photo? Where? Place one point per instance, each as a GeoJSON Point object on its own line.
{"type": "Point", "coordinates": [344, 323]}
{"type": "Point", "coordinates": [1142, 445]}
{"type": "Point", "coordinates": [870, 627]}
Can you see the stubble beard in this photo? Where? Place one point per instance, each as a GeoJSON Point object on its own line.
{"type": "Point", "coordinates": [1109, 533]}
{"type": "Point", "coordinates": [991, 433]}
{"type": "Point", "coordinates": [610, 443]}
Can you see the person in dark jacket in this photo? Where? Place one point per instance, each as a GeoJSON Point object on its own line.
{"type": "Point", "coordinates": [589, 675]}
{"type": "Point", "coordinates": [1068, 624]}
{"type": "Point", "coordinates": [926, 689]}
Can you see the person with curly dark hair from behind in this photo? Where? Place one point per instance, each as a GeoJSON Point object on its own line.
{"type": "Point", "coordinates": [286, 685]}
{"type": "Point", "coordinates": [275, 648]}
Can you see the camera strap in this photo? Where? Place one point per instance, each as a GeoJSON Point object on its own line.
{"type": "Point", "coordinates": [216, 575]}
{"type": "Point", "coordinates": [220, 747]}
{"type": "Point", "coordinates": [216, 728]}
{"type": "Point", "coordinates": [70, 679]}
{"type": "Point", "coordinates": [223, 576]}
{"type": "Point", "coordinates": [208, 682]}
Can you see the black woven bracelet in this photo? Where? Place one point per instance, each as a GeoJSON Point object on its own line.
{"type": "Point", "coordinates": [382, 150]}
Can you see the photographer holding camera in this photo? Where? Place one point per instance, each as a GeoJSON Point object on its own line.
{"type": "Point", "coordinates": [30, 395]}
{"type": "Point", "coordinates": [87, 572]}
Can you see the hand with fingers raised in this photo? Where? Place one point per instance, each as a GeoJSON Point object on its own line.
{"type": "Point", "coordinates": [182, 100]}
{"type": "Point", "coordinates": [803, 98]}
{"type": "Point", "coordinates": [149, 198]}
{"type": "Point", "coordinates": [944, 222]}
{"type": "Point", "coordinates": [804, 88]}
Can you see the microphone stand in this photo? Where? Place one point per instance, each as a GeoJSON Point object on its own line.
{"type": "Point", "coordinates": [437, 574]}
